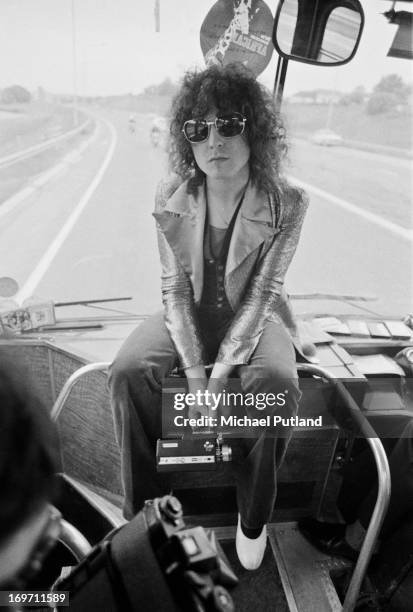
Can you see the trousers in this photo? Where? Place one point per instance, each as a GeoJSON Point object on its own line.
{"type": "Point", "coordinates": [135, 384]}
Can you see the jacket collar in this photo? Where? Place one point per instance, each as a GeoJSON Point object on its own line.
{"type": "Point", "coordinates": [182, 221]}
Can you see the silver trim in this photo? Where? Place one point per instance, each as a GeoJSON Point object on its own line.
{"type": "Point", "coordinates": [71, 382]}
{"type": "Point", "coordinates": [74, 541]}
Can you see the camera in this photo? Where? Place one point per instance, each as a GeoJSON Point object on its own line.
{"type": "Point", "coordinates": [154, 562]}
{"type": "Point", "coordinates": [194, 453]}
{"type": "Point", "coordinates": [190, 557]}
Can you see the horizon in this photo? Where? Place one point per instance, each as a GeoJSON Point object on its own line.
{"type": "Point", "coordinates": [176, 83]}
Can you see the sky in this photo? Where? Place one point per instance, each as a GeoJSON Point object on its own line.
{"type": "Point", "coordinates": [105, 47]}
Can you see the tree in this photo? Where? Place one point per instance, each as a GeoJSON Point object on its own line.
{"type": "Point", "coordinates": [356, 96]}
{"type": "Point", "coordinates": [393, 84]}
{"type": "Point", "coordinates": [381, 102]}
{"type": "Point", "coordinates": [166, 88]}
{"type": "Point", "coordinates": [390, 93]}
{"type": "Point", "coordinates": [15, 93]}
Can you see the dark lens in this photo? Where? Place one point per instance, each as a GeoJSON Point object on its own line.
{"type": "Point", "coordinates": [230, 125]}
{"type": "Point", "coordinates": [196, 130]}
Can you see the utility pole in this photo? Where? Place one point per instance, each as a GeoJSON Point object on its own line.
{"type": "Point", "coordinates": [157, 12]}
{"type": "Point", "coordinates": [74, 58]}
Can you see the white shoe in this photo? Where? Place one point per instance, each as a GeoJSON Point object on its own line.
{"type": "Point", "coordinates": [250, 551]}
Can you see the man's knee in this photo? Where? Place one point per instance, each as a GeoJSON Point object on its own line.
{"type": "Point", "coordinates": [124, 370]}
{"type": "Point", "coordinates": [277, 380]}
{"type": "Point", "coordinates": [276, 371]}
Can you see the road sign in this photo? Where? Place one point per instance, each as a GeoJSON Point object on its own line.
{"type": "Point", "coordinates": [238, 31]}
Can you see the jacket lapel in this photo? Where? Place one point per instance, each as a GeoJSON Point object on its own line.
{"type": "Point", "coordinates": [253, 226]}
{"type": "Point", "coordinates": [182, 221]}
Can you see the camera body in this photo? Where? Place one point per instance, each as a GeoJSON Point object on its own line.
{"type": "Point", "coordinates": [154, 562]}
{"type": "Point", "coordinates": [190, 557]}
{"type": "Point", "coordinates": [196, 453]}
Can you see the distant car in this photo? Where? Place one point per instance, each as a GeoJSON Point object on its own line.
{"type": "Point", "coordinates": [159, 132]}
{"type": "Point", "coordinates": [326, 138]}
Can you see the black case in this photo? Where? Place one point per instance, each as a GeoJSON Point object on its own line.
{"type": "Point", "coordinates": [121, 574]}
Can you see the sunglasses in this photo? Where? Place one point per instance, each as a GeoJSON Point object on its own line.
{"type": "Point", "coordinates": [227, 126]}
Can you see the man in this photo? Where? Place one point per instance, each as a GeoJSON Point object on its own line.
{"type": "Point", "coordinates": [30, 525]}
{"type": "Point", "coordinates": [28, 463]}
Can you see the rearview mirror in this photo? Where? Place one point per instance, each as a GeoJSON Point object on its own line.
{"type": "Point", "coordinates": [321, 32]}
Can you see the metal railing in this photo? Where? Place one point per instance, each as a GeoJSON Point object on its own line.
{"type": "Point", "coordinates": [19, 156]}
{"type": "Point", "coordinates": [74, 541]}
{"type": "Point", "coordinates": [71, 382]}
{"type": "Point", "coordinates": [360, 424]}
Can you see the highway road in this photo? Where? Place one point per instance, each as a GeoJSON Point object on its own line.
{"type": "Point", "coordinates": [88, 232]}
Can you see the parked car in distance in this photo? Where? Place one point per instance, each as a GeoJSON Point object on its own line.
{"type": "Point", "coordinates": [326, 138]}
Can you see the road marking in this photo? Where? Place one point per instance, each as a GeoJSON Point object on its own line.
{"type": "Point", "coordinates": [36, 276]}
{"type": "Point", "coordinates": [388, 225]}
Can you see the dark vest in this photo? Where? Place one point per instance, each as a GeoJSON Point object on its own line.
{"type": "Point", "coordinates": [216, 248]}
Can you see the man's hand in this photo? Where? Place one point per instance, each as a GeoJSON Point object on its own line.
{"type": "Point", "coordinates": [218, 383]}
{"type": "Point", "coordinates": [197, 384]}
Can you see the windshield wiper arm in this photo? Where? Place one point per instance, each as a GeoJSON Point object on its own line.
{"type": "Point", "coordinates": [333, 296]}
{"type": "Point", "coordinates": [87, 302]}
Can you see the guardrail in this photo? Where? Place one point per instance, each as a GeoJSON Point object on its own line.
{"type": "Point", "coordinates": [14, 158]}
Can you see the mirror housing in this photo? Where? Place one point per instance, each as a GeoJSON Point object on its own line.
{"type": "Point", "coordinates": [320, 32]}
{"type": "Point", "coordinates": [402, 45]}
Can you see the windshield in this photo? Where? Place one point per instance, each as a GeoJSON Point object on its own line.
{"type": "Point", "coordinates": [83, 138]}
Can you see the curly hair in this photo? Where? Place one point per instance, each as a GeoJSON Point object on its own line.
{"type": "Point", "coordinates": [229, 88]}
{"type": "Point", "coordinates": [29, 451]}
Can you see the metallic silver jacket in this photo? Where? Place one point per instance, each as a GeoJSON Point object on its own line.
{"type": "Point", "coordinates": [263, 243]}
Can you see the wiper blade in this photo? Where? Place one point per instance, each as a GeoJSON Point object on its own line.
{"type": "Point", "coordinates": [87, 302]}
{"type": "Point", "coordinates": [333, 296]}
